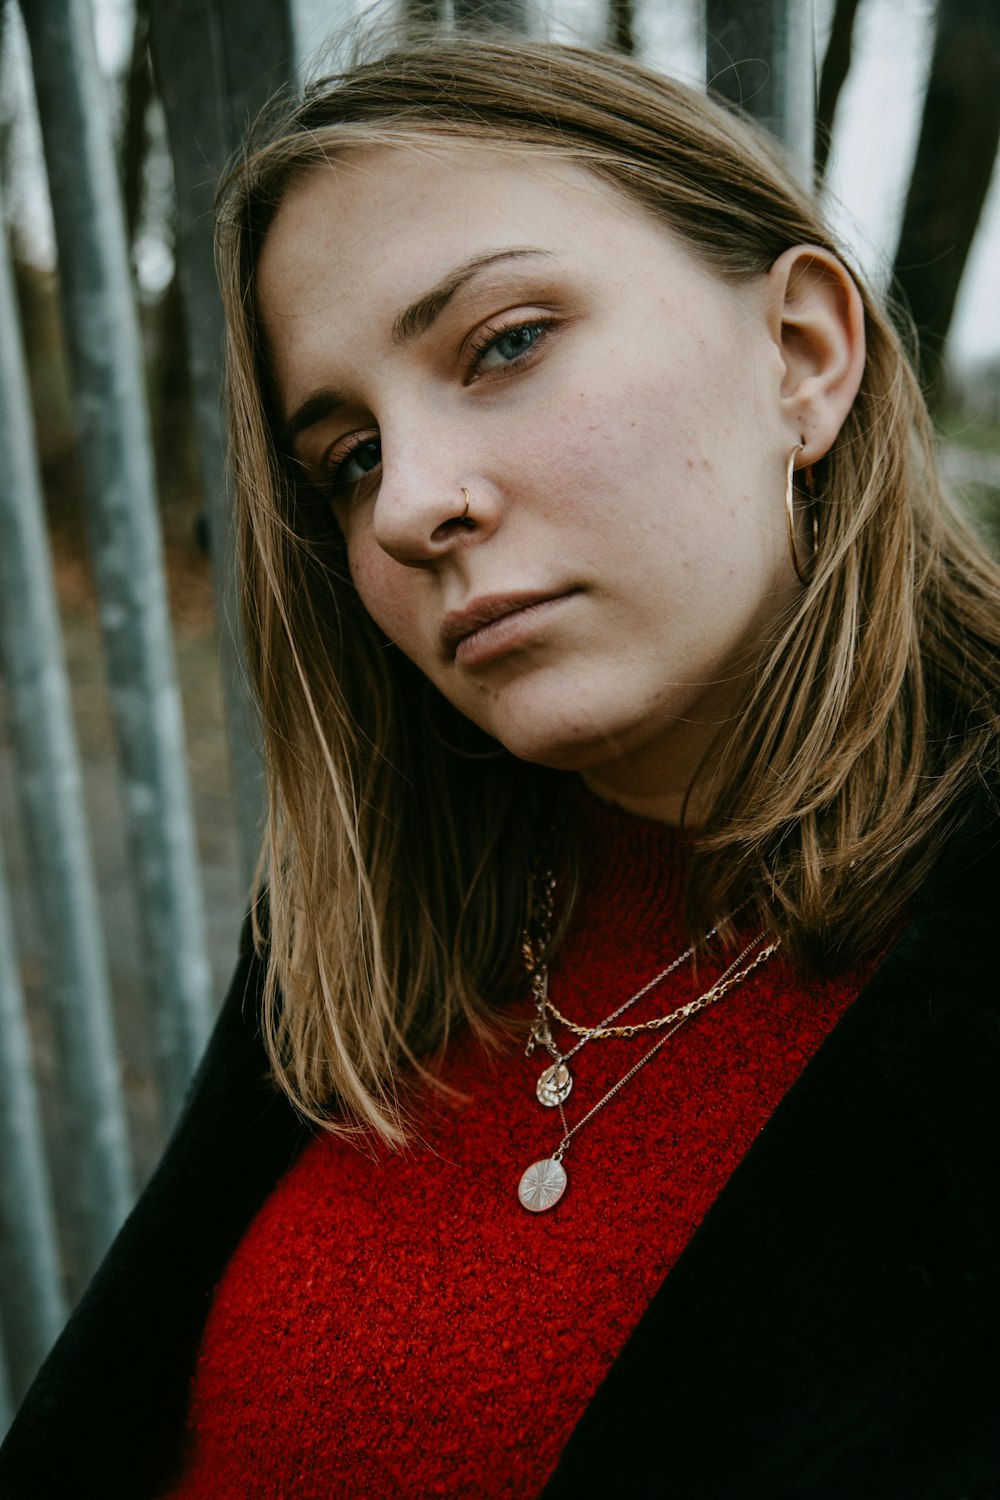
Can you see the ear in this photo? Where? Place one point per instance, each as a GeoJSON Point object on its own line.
{"type": "Point", "coordinates": [817, 320]}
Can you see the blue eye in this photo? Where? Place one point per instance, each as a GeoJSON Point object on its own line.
{"type": "Point", "coordinates": [359, 463]}
{"type": "Point", "coordinates": [506, 347]}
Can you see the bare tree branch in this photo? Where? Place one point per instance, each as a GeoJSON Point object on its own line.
{"type": "Point", "coordinates": [490, 15]}
{"type": "Point", "coordinates": [951, 174]}
{"type": "Point", "coordinates": [134, 141]}
{"type": "Point", "coordinates": [421, 16]}
{"type": "Point", "coordinates": [621, 26]}
{"type": "Point", "coordinates": [836, 65]}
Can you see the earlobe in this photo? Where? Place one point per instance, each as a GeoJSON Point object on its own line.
{"type": "Point", "coordinates": [817, 320]}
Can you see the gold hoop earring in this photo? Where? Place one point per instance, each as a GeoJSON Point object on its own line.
{"type": "Point", "coordinates": [800, 573]}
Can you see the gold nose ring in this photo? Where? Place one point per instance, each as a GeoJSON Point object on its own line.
{"type": "Point", "coordinates": [465, 512]}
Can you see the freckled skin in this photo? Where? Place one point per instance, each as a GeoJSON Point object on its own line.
{"type": "Point", "coordinates": [632, 462]}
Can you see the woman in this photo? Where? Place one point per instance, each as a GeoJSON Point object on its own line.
{"type": "Point", "coordinates": [630, 702]}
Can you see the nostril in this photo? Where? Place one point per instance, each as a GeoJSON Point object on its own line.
{"type": "Point", "coordinates": [448, 528]}
{"type": "Point", "coordinates": [463, 521]}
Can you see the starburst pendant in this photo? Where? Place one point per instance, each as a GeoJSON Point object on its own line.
{"type": "Point", "coordinates": [542, 1185]}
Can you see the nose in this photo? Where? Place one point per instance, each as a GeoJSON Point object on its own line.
{"type": "Point", "coordinates": [422, 514]}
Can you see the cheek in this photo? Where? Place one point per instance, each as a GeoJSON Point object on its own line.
{"type": "Point", "coordinates": [637, 417]}
{"type": "Point", "coordinates": [631, 463]}
{"type": "Point", "coordinates": [385, 588]}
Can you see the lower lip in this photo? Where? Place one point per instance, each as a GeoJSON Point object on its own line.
{"type": "Point", "coordinates": [506, 634]}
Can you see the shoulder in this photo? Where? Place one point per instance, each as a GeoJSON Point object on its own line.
{"type": "Point", "coordinates": [832, 1327]}
{"type": "Point", "coordinates": [937, 994]}
{"type": "Point", "coordinates": [931, 1015]}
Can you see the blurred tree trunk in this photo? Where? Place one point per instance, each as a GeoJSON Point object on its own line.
{"type": "Point", "coordinates": [491, 15]}
{"type": "Point", "coordinates": [621, 26]}
{"type": "Point", "coordinates": [5, 120]}
{"type": "Point", "coordinates": [422, 16]}
{"type": "Point", "coordinates": [7, 108]}
{"type": "Point", "coordinates": [171, 413]}
{"type": "Point", "coordinates": [951, 174]}
{"type": "Point", "coordinates": [836, 65]}
{"type": "Point", "coordinates": [134, 137]}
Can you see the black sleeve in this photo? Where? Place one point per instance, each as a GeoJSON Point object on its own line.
{"type": "Point", "coordinates": [105, 1415]}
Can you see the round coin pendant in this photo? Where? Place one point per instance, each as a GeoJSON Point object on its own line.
{"type": "Point", "coordinates": [542, 1185]}
{"type": "Point", "coordinates": [554, 1085]}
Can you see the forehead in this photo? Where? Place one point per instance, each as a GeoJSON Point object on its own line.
{"type": "Point", "coordinates": [361, 238]}
{"type": "Point", "coordinates": [410, 211]}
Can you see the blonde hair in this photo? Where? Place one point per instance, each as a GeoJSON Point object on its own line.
{"type": "Point", "coordinates": [399, 875]}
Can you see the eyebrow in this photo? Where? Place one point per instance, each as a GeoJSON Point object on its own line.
{"type": "Point", "coordinates": [410, 325]}
{"type": "Point", "coordinates": [420, 315]}
{"type": "Point", "coordinates": [315, 408]}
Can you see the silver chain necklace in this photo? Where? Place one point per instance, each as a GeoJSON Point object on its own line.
{"type": "Point", "coordinates": [555, 1083]}
{"type": "Point", "coordinates": [543, 1183]}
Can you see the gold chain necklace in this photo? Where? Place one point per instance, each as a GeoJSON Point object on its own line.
{"type": "Point", "coordinates": [725, 982]}
{"type": "Point", "coordinates": [543, 1183]}
{"type": "Point", "coordinates": [556, 1081]}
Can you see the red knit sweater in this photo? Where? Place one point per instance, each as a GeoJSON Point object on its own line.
{"type": "Point", "coordinates": [399, 1325]}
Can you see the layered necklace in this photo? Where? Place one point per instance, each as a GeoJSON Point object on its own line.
{"type": "Point", "coordinates": [543, 1183]}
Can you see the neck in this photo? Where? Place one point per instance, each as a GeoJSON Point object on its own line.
{"type": "Point", "coordinates": [666, 806]}
{"type": "Point", "coordinates": [644, 785]}
{"type": "Point", "coordinates": [664, 778]}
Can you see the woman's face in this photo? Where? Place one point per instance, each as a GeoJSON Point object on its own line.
{"type": "Point", "coordinates": [447, 322]}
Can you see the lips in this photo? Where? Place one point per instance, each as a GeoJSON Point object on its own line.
{"type": "Point", "coordinates": [458, 625]}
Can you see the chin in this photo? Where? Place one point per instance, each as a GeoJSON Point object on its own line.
{"type": "Point", "coordinates": [560, 748]}
{"type": "Point", "coordinates": [541, 721]}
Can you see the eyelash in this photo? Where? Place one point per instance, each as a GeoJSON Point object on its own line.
{"type": "Point", "coordinates": [485, 339]}
{"type": "Point", "coordinates": [490, 334]}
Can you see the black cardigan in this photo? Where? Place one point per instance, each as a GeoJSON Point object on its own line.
{"type": "Point", "coordinates": [832, 1330]}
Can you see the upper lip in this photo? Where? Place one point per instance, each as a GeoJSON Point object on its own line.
{"type": "Point", "coordinates": [459, 623]}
